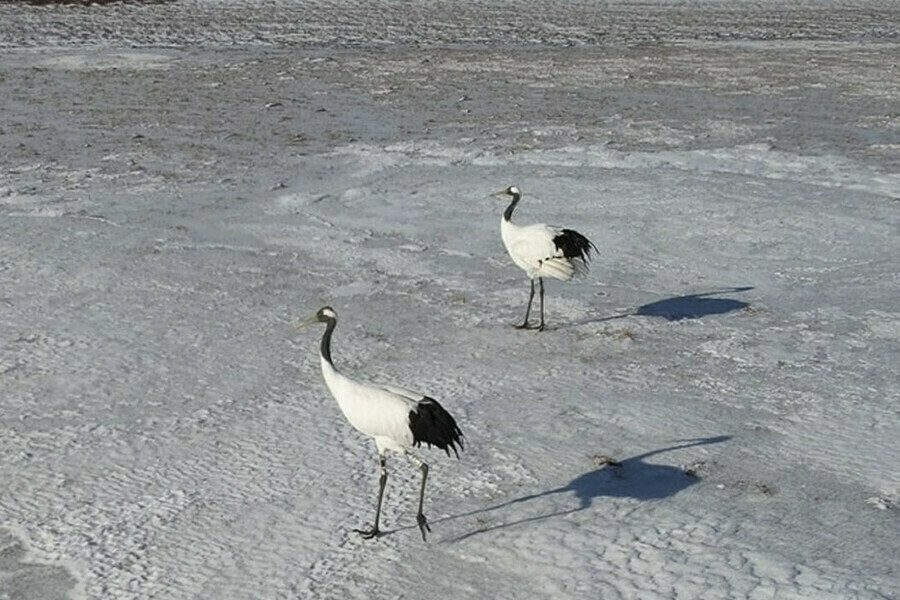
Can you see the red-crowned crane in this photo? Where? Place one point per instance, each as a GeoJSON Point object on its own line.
{"type": "Point", "coordinates": [396, 418]}
{"type": "Point", "coordinates": [542, 251]}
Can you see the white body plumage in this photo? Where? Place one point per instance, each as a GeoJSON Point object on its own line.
{"type": "Point", "coordinates": [532, 248]}
{"type": "Point", "coordinates": [378, 412]}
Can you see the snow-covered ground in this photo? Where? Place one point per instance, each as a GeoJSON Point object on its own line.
{"type": "Point", "coordinates": [180, 181]}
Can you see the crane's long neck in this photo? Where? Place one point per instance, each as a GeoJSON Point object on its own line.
{"type": "Point", "coordinates": [337, 384]}
{"type": "Point", "coordinates": [326, 341]}
{"type": "Point", "coordinates": [507, 215]}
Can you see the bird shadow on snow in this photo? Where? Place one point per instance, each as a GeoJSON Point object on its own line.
{"type": "Point", "coordinates": [631, 478]}
{"type": "Point", "coordinates": [691, 306]}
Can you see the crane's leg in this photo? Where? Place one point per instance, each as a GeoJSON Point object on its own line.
{"type": "Point", "coordinates": [420, 516]}
{"type": "Point", "coordinates": [382, 481]}
{"type": "Point", "coordinates": [528, 310]}
{"type": "Point", "coordinates": [541, 326]}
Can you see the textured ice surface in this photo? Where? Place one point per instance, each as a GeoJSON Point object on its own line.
{"type": "Point", "coordinates": [180, 181]}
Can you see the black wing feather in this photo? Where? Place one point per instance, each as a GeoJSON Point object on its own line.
{"type": "Point", "coordinates": [574, 245]}
{"type": "Point", "coordinates": [432, 425]}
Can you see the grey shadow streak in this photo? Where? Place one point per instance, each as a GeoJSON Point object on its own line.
{"type": "Point", "coordinates": [631, 478]}
{"type": "Point", "coordinates": [694, 306]}
{"type": "Point", "coordinates": [676, 308]}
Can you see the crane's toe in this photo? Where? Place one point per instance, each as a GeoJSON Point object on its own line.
{"type": "Point", "coordinates": [423, 524]}
{"type": "Point", "coordinates": [368, 534]}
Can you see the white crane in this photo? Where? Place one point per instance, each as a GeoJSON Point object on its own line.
{"type": "Point", "coordinates": [542, 251]}
{"type": "Point", "coordinates": [395, 418]}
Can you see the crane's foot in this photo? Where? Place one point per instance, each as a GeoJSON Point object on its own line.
{"type": "Point", "coordinates": [423, 524]}
{"type": "Point", "coordinates": [368, 534]}
{"type": "Point", "coordinates": [529, 326]}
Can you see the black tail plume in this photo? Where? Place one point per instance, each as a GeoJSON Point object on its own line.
{"type": "Point", "coordinates": [574, 245]}
{"type": "Point", "coordinates": [433, 425]}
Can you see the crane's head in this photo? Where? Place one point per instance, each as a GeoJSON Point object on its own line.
{"type": "Point", "coordinates": [323, 315]}
{"type": "Point", "coordinates": [509, 191]}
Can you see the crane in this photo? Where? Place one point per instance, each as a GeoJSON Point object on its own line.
{"type": "Point", "coordinates": [396, 418]}
{"type": "Point", "coordinates": [542, 251]}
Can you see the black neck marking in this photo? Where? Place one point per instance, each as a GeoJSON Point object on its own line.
{"type": "Point", "coordinates": [512, 206]}
{"type": "Point", "coordinates": [326, 340]}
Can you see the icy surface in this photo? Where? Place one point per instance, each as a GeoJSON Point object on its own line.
{"type": "Point", "coordinates": [713, 412]}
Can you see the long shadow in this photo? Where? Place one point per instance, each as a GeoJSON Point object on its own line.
{"type": "Point", "coordinates": [630, 478]}
{"type": "Point", "coordinates": [691, 306]}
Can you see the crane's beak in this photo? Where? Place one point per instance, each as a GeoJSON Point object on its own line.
{"type": "Point", "coordinates": [500, 193]}
{"type": "Point", "coordinates": [307, 321]}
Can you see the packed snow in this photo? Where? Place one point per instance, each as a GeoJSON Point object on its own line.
{"type": "Point", "coordinates": [713, 412]}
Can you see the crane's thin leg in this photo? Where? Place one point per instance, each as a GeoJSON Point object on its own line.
{"type": "Point", "coordinates": [541, 326]}
{"type": "Point", "coordinates": [420, 516]}
{"type": "Point", "coordinates": [528, 310]}
{"type": "Point", "coordinates": [370, 533]}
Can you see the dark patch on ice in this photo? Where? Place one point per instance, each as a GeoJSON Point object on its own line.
{"type": "Point", "coordinates": [693, 306]}
{"type": "Point", "coordinates": [92, 2]}
{"type": "Point", "coordinates": [30, 581]}
{"type": "Point", "coordinates": [635, 478]}
{"type": "Point", "coordinates": [630, 478]}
